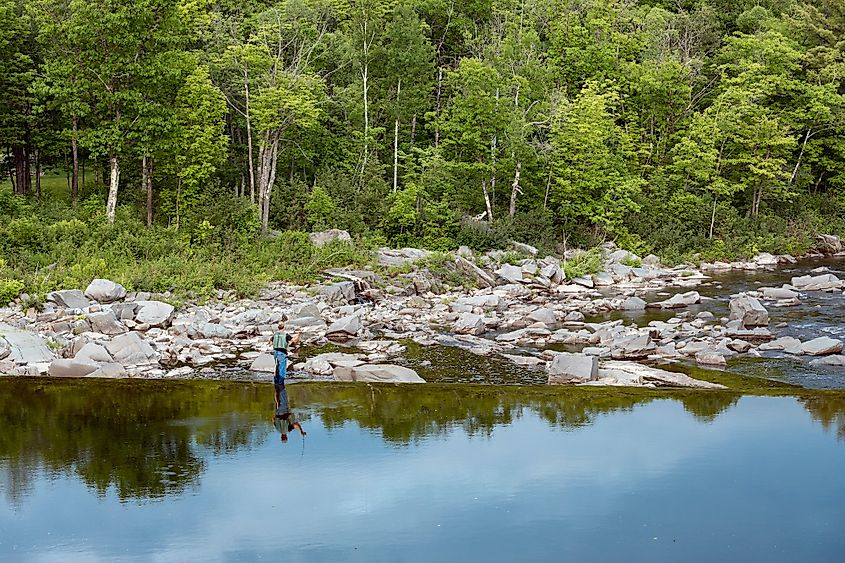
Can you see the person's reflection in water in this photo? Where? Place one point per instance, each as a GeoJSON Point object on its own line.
{"type": "Point", "coordinates": [283, 419]}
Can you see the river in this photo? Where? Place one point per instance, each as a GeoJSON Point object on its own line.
{"type": "Point", "coordinates": [195, 471]}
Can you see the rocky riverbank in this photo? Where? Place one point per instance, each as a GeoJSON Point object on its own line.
{"type": "Point", "coordinates": [520, 308]}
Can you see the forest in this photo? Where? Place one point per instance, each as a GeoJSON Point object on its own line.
{"type": "Point", "coordinates": [192, 143]}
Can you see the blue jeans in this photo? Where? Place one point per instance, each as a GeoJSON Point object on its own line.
{"type": "Point", "coordinates": [281, 367]}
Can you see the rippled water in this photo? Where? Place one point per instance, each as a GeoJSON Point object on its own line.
{"type": "Point", "coordinates": [135, 470]}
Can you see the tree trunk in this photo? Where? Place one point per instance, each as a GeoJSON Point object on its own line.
{"type": "Point", "coordinates": [37, 172]}
{"type": "Point", "coordinates": [413, 129]}
{"type": "Point", "coordinates": [800, 155]}
{"type": "Point", "coordinates": [178, 197]}
{"type": "Point", "coordinates": [19, 153]}
{"type": "Point", "coordinates": [249, 141]}
{"type": "Point", "coordinates": [548, 189]}
{"type": "Point", "coordinates": [365, 79]}
{"type": "Point", "coordinates": [74, 146]}
{"type": "Point", "coordinates": [487, 201]}
{"type": "Point", "coordinates": [437, 106]}
{"type": "Point", "coordinates": [267, 159]}
{"type": "Point", "coordinates": [114, 180]}
{"type": "Point", "coordinates": [713, 217]}
{"type": "Point", "coordinates": [11, 173]}
{"type": "Point", "coordinates": [147, 186]}
{"type": "Point", "coordinates": [515, 189]}
{"type": "Point", "coordinates": [396, 140]}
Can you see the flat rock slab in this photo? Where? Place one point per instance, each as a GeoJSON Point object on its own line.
{"type": "Point", "coordinates": [264, 363]}
{"type": "Point", "coordinates": [377, 373]}
{"type": "Point", "coordinates": [25, 347]}
{"type": "Point", "coordinates": [69, 299]}
{"type": "Point", "coordinates": [637, 375]}
{"type": "Point", "coordinates": [822, 346]}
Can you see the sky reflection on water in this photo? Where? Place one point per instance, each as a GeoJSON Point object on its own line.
{"type": "Point", "coordinates": [761, 479]}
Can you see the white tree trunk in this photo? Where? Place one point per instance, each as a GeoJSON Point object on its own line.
{"type": "Point", "coordinates": [515, 189]}
{"type": "Point", "coordinates": [114, 181]}
{"type": "Point", "coordinates": [249, 141]}
{"type": "Point", "coordinates": [487, 202]}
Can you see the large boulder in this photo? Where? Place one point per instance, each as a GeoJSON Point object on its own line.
{"type": "Point", "coordinates": [389, 257]}
{"type": "Point", "coordinates": [749, 311]}
{"type": "Point", "coordinates": [510, 273]}
{"type": "Point", "coordinates": [69, 299]}
{"type": "Point", "coordinates": [633, 347]}
{"type": "Point", "coordinates": [264, 363]}
{"type": "Point", "coordinates": [349, 325]}
{"type": "Point", "coordinates": [377, 373]}
{"type": "Point", "coordinates": [322, 238]}
{"type": "Point", "coordinates": [678, 301]}
{"type": "Point", "coordinates": [829, 244]}
{"type": "Point", "coordinates": [779, 293]}
{"type": "Point", "coordinates": [25, 347]}
{"type": "Point", "coordinates": [154, 313]}
{"type": "Point", "coordinates": [816, 283]}
{"type": "Point", "coordinates": [482, 278]}
{"type": "Point", "coordinates": [829, 361]}
{"type": "Point", "coordinates": [209, 330]}
{"type": "Point", "coordinates": [130, 349]}
{"type": "Point", "coordinates": [106, 322]}
{"type": "Point", "coordinates": [93, 352]}
{"type": "Point", "coordinates": [105, 291]}
{"type": "Point", "coordinates": [543, 315]}
{"type": "Point", "coordinates": [633, 303]}
{"type": "Point", "coordinates": [72, 368]}
{"type": "Point", "coordinates": [306, 309]}
{"type": "Point", "coordinates": [469, 323]}
{"type": "Point", "coordinates": [572, 368]}
{"type": "Point", "coordinates": [786, 344]}
{"type": "Point", "coordinates": [312, 324]}
{"type": "Point", "coordinates": [822, 346]}
{"type": "Point", "coordinates": [341, 292]}
{"type": "Point", "coordinates": [489, 301]}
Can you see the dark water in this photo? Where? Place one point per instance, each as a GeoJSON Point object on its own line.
{"type": "Point", "coordinates": [194, 471]}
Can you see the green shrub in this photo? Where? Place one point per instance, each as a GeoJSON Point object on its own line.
{"type": "Point", "coordinates": [584, 264]}
{"type": "Point", "coordinates": [631, 262]}
{"type": "Point", "coordinates": [9, 290]}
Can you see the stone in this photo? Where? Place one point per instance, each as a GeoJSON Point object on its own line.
{"type": "Point", "coordinates": [318, 366]}
{"type": "Point", "coordinates": [341, 292]}
{"type": "Point", "coordinates": [603, 279]}
{"type": "Point", "coordinates": [349, 325]}
{"type": "Point", "coordinates": [574, 317]}
{"type": "Point", "coordinates": [524, 248]}
{"type": "Point", "coordinates": [489, 301]}
{"type": "Point", "coordinates": [389, 257]}
{"type": "Point", "coordinates": [72, 368]}
{"type": "Point", "coordinates": [634, 374]}
{"type": "Point", "coordinates": [131, 349]}
{"type": "Point", "coordinates": [822, 346]}
{"type": "Point", "coordinates": [377, 373]}
{"type": "Point", "coordinates": [543, 315]}
{"type": "Point", "coordinates": [510, 273]}
{"type": "Point", "coordinates": [553, 272]}
{"type": "Point", "coordinates": [834, 360]}
{"type": "Point", "coordinates": [633, 347]}
{"type": "Point", "coordinates": [482, 278]}
{"type": "Point", "coordinates": [829, 244]}
{"type": "Point", "coordinates": [816, 283]}
{"type": "Point", "coordinates": [778, 293]}
{"type": "Point", "coordinates": [749, 311]}
{"type": "Point", "coordinates": [93, 352]}
{"type": "Point", "coordinates": [209, 330]}
{"type": "Point", "coordinates": [786, 344]}
{"type": "Point", "coordinates": [306, 309]}
{"type": "Point", "coordinates": [124, 311]}
{"type": "Point", "coordinates": [105, 291]}
{"type": "Point", "coordinates": [25, 347]}
{"type": "Point", "coordinates": [584, 281]}
{"type": "Point", "coordinates": [572, 368]}
{"type": "Point", "coordinates": [526, 361]}
{"type": "Point", "coordinates": [312, 324]}
{"type": "Point", "coordinates": [154, 313]}
{"type": "Point", "coordinates": [469, 323]}
{"type": "Point", "coordinates": [69, 299]}
{"type": "Point", "coordinates": [740, 346]}
{"type": "Point", "coordinates": [5, 350]}
{"type": "Point", "coordinates": [322, 238]}
{"type": "Point", "coordinates": [765, 259]}
{"type": "Point", "coordinates": [263, 363]}
{"type": "Point", "coordinates": [710, 357]}
{"type": "Point", "coordinates": [106, 323]}
{"type": "Point", "coordinates": [678, 301]}
{"type": "Point", "coordinates": [633, 304]}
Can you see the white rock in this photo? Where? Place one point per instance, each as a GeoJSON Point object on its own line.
{"type": "Point", "coordinates": [822, 346]}
{"type": "Point", "coordinates": [378, 373]}
{"type": "Point", "coordinates": [154, 313]}
{"type": "Point", "coordinates": [105, 291]}
{"type": "Point", "coordinates": [573, 368]}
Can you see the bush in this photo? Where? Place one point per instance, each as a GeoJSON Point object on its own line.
{"type": "Point", "coordinates": [481, 236]}
{"type": "Point", "coordinates": [584, 264]}
{"type": "Point", "coordinates": [9, 290]}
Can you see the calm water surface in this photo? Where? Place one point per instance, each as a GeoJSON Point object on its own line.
{"type": "Point", "coordinates": [195, 471]}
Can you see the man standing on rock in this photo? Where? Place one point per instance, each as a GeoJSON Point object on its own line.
{"type": "Point", "coordinates": [282, 343]}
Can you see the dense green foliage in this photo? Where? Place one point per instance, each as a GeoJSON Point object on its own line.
{"type": "Point", "coordinates": [700, 129]}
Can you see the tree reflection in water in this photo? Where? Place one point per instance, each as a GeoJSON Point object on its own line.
{"type": "Point", "coordinates": [148, 439]}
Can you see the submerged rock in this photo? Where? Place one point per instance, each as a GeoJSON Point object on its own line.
{"type": "Point", "coordinates": [634, 374]}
